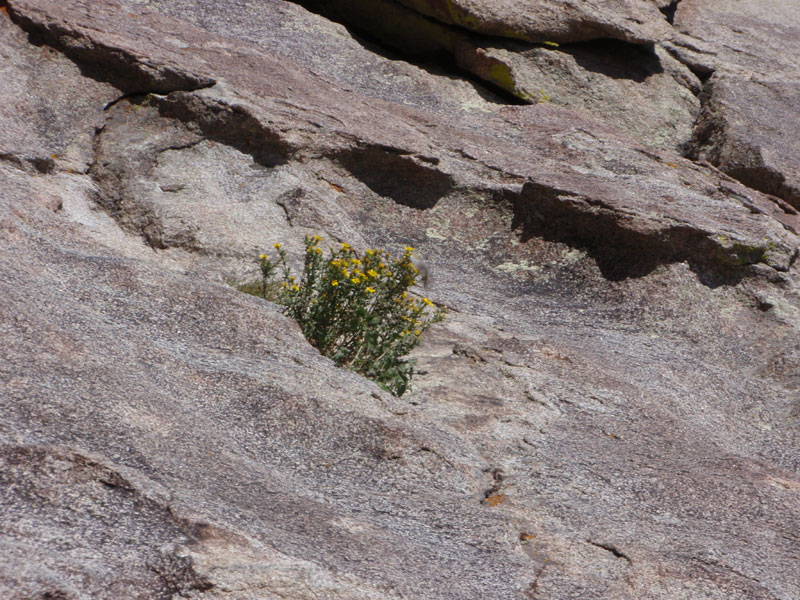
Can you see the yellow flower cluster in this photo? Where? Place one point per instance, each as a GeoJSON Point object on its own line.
{"type": "Point", "coordinates": [354, 307]}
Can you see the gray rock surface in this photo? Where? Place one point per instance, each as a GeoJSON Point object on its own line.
{"type": "Point", "coordinates": [610, 410]}
{"type": "Point", "coordinates": [637, 21]}
{"type": "Point", "coordinates": [751, 106]}
{"type": "Point", "coordinates": [639, 89]}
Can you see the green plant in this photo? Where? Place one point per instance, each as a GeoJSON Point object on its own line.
{"type": "Point", "coordinates": [355, 309]}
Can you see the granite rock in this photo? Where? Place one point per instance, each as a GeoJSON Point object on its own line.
{"type": "Point", "coordinates": [610, 409]}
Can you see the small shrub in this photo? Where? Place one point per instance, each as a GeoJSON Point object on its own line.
{"type": "Point", "coordinates": [354, 309]}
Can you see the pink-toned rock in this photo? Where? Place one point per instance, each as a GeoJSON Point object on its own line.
{"type": "Point", "coordinates": [748, 125]}
{"type": "Point", "coordinates": [637, 21]}
{"type": "Point", "coordinates": [609, 410]}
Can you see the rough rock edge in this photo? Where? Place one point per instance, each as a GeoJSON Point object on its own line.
{"type": "Point", "coordinates": [234, 121]}
{"type": "Point", "coordinates": [134, 73]}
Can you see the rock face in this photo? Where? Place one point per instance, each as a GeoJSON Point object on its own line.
{"type": "Point", "coordinates": [631, 20]}
{"type": "Point", "coordinates": [611, 408]}
{"type": "Point", "coordinates": [749, 122]}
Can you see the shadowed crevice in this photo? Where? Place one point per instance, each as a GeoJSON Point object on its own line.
{"type": "Point", "coordinates": [612, 549]}
{"type": "Point", "coordinates": [717, 139]}
{"type": "Point", "coordinates": [399, 33]}
{"type": "Point", "coordinates": [227, 124]}
{"type": "Point", "coordinates": [397, 174]}
{"type": "Point", "coordinates": [621, 249]}
{"type": "Point", "coordinates": [394, 30]}
{"type": "Point", "coordinates": [616, 59]}
{"type": "Point", "coordinates": [669, 11]}
{"type": "Point", "coordinates": [113, 65]}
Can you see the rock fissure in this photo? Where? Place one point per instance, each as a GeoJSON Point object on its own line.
{"type": "Point", "coordinates": [533, 588]}
{"type": "Point", "coordinates": [229, 124]}
{"type": "Point", "coordinates": [700, 69]}
{"type": "Point", "coordinates": [492, 495]}
{"type": "Point", "coordinates": [621, 249]}
{"type": "Point", "coordinates": [145, 95]}
{"type": "Point", "coordinates": [718, 140]}
{"type": "Point", "coordinates": [412, 37]}
{"type": "Point", "coordinates": [613, 549]}
{"type": "Point", "coordinates": [669, 11]}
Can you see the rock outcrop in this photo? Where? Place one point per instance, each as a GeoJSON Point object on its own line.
{"type": "Point", "coordinates": [611, 408]}
{"type": "Point", "coordinates": [748, 126]}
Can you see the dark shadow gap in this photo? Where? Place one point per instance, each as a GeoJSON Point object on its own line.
{"type": "Point", "coordinates": [114, 66]}
{"type": "Point", "coordinates": [616, 59]}
{"type": "Point", "coordinates": [426, 54]}
{"type": "Point", "coordinates": [229, 125]}
{"type": "Point", "coordinates": [622, 252]}
{"type": "Point", "coordinates": [397, 175]}
{"type": "Point", "coordinates": [669, 11]}
{"type": "Point", "coordinates": [702, 72]}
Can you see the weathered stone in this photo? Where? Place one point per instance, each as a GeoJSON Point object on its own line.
{"type": "Point", "coordinates": [651, 92]}
{"type": "Point", "coordinates": [258, 119]}
{"type": "Point", "coordinates": [619, 84]}
{"type": "Point", "coordinates": [609, 410]}
{"type": "Point", "coordinates": [49, 111]}
{"type": "Point", "coordinates": [637, 21]}
{"type": "Point", "coordinates": [748, 126]}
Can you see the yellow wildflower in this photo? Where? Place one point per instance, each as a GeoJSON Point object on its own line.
{"type": "Point", "coordinates": [278, 245]}
{"type": "Point", "coordinates": [334, 283]}
{"type": "Point", "coordinates": [346, 246]}
{"type": "Point", "coordinates": [295, 288]}
{"type": "Point", "coordinates": [417, 332]}
{"type": "Point", "coordinates": [355, 261]}
{"type": "Point", "coordinates": [370, 252]}
{"type": "Point", "coordinates": [318, 250]}
{"type": "Point", "coordinates": [370, 290]}
{"type": "Point", "coordinates": [356, 280]}
{"type": "Point", "coordinates": [372, 273]}
{"type": "Point", "coordinates": [316, 238]}
{"type": "Point", "coordinates": [408, 249]}
{"type": "Point", "coordinates": [262, 256]}
{"type": "Point", "coordinates": [428, 302]}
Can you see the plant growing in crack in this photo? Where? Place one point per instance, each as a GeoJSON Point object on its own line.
{"type": "Point", "coordinates": [356, 310]}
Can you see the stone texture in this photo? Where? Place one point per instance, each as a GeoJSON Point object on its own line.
{"type": "Point", "coordinates": [637, 21]}
{"type": "Point", "coordinates": [652, 94]}
{"type": "Point", "coordinates": [748, 124]}
{"type": "Point", "coordinates": [48, 110]}
{"type": "Point", "coordinates": [646, 94]}
{"type": "Point", "coordinates": [610, 410]}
